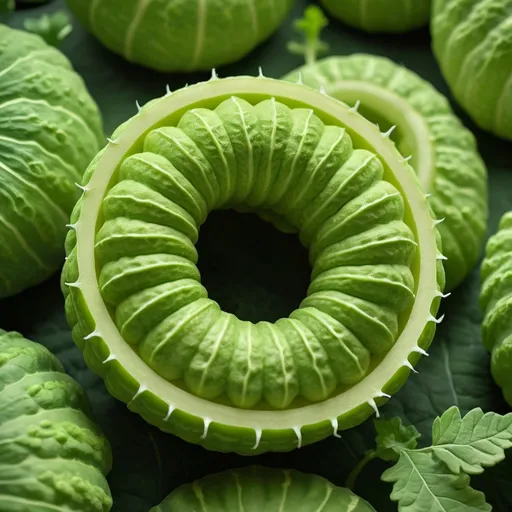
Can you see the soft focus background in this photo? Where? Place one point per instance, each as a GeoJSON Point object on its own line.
{"type": "Point", "coordinates": [260, 274]}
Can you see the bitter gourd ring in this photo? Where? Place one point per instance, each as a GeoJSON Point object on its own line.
{"type": "Point", "coordinates": [145, 322]}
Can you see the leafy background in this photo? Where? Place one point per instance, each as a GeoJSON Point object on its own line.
{"type": "Point", "coordinates": [259, 273]}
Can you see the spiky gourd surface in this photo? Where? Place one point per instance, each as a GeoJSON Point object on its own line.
{"type": "Point", "coordinates": [181, 35]}
{"type": "Point", "coordinates": [393, 16]}
{"type": "Point", "coordinates": [256, 488]}
{"type": "Point", "coordinates": [304, 160]}
{"type": "Point", "coordinates": [496, 302]}
{"type": "Point", "coordinates": [443, 152]}
{"type": "Point", "coordinates": [472, 41]}
{"type": "Point", "coordinates": [52, 456]}
{"type": "Point", "coordinates": [50, 129]}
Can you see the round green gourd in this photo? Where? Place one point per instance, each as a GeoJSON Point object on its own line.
{"type": "Point", "coordinates": [496, 302]}
{"type": "Point", "coordinates": [472, 41]}
{"type": "Point", "coordinates": [53, 456]}
{"type": "Point", "coordinates": [441, 150]}
{"type": "Point", "coordinates": [50, 129]}
{"type": "Point", "coordinates": [181, 35]}
{"type": "Point", "coordinates": [381, 16]}
{"type": "Point", "coordinates": [309, 164]}
{"type": "Point", "coordinates": [255, 488]}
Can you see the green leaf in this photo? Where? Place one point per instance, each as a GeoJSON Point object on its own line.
{"type": "Point", "coordinates": [471, 443]}
{"type": "Point", "coordinates": [393, 437]}
{"type": "Point", "coordinates": [423, 483]}
{"type": "Point", "coordinates": [310, 26]}
{"type": "Point", "coordinates": [53, 28]}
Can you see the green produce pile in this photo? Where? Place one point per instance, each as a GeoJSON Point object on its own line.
{"type": "Point", "coordinates": [255, 255]}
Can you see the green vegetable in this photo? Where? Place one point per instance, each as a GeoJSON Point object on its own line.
{"type": "Point", "coordinates": [381, 15]}
{"type": "Point", "coordinates": [181, 35]}
{"type": "Point", "coordinates": [50, 129]}
{"type": "Point", "coordinates": [496, 302]}
{"type": "Point", "coordinates": [257, 488]}
{"type": "Point", "coordinates": [53, 28]}
{"type": "Point", "coordinates": [436, 477]}
{"type": "Point", "coordinates": [143, 319]}
{"type": "Point", "coordinates": [472, 42]}
{"type": "Point", "coordinates": [423, 126]}
{"type": "Point", "coordinates": [6, 6]}
{"type": "Point", "coordinates": [53, 456]}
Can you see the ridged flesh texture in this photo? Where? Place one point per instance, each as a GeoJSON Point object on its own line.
{"type": "Point", "coordinates": [441, 150]}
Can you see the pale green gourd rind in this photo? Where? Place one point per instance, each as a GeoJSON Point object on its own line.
{"type": "Point", "coordinates": [271, 387]}
{"type": "Point", "coordinates": [381, 16]}
{"type": "Point", "coordinates": [53, 456]}
{"type": "Point", "coordinates": [50, 129]}
{"type": "Point", "coordinates": [496, 302]}
{"type": "Point", "coordinates": [257, 488]}
{"type": "Point", "coordinates": [472, 41]}
{"type": "Point", "coordinates": [181, 35]}
{"type": "Point", "coordinates": [443, 152]}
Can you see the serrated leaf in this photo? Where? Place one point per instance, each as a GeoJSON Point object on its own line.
{"type": "Point", "coordinates": [53, 28]}
{"type": "Point", "coordinates": [422, 483]}
{"type": "Point", "coordinates": [471, 443]}
{"type": "Point", "coordinates": [393, 436]}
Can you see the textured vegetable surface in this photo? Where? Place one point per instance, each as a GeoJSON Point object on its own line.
{"type": "Point", "coordinates": [50, 129]}
{"type": "Point", "coordinates": [146, 324]}
{"type": "Point", "coordinates": [257, 488]}
{"type": "Point", "coordinates": [496, 301]}
{"type": "Point", "coordinates": [53, 455]}
{"type": "Point", "coordinates": [181, 35]}
{"type": "Point", "coordinates": [442, 151]}
{"type": "Point", "coordinates": [381, 15]}
{"type": "Point", "coordinates": [473, 45]}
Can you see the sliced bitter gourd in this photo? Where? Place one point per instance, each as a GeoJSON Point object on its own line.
{"type": "Point", "coordinates": [472, 40]}
{"type": "Point", "coordinates": [50, 129]}
{"type": "Point", "coordinates": [496, 302]}
{"type": "Point", "coordinates": [256, 488]}
{"type": "Point", "coordinates": [422, 124]}
{"type": "Point", "coordinates": [145, 322]}
{"type": "Point", "coordinates": [53, 456]}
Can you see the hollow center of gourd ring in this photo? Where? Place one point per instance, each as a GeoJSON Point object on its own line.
{"type": "Point", "coordinates": [250, 268]}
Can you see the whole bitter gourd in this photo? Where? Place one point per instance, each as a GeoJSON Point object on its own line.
{"type": "Point", "coordinates": [50, 129]}
{"type": "Point", "coordinates": [496, 302]}
{"type": "Point", "coordinates": [53, 456]}
{"type": "Point", "coordinates": [257, 488]}
{"type": "Point", "coordinates": [181, 35]}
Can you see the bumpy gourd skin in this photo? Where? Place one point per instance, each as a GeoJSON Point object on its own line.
{"type": "Point", "coordinates": [496, 302]}
{"type": "Point", "coordinates": [143, 319]}
{"type": "Point", "coordinates": [52, 456]}
{"type": "Point", "coordinates": [472, 40]}
{"type": "Point", "coordinates": [181, 35]}
{"type": "Point", "coordinates": [395, 16]}
{"type": "Point", "coordinates": [256, 488]}
{"type": "Point", "coordinates": [50, 129]}
{"type": "Point", "coordinates": [443, 152]}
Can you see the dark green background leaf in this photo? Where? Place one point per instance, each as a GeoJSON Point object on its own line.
{"type": "Point", "coordinates": [258, 273]}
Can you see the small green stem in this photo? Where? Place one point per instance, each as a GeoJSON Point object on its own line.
{"type": "Point", "coordinates": [352, 477]}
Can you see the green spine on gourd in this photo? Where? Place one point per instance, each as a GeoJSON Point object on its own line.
{"type": "Point", "coordinates": [50, 129]}
{"type": "Point", "coordinates": [53, 456]}
{"type": "Point", "coordinates": [257, 488]}
{"type": "Point", "coordinates": [310, 164]}
{"type": "Point", "coordinates": [395, 16]}
{"type": "Point", "coordinates": [496, 302]}
{"type": "Point", "coordinates": [425, 129]}
{"type": "Point", "coordinates": [181, 35]}
{"type": "Point", "coordinates": [472, 40]}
